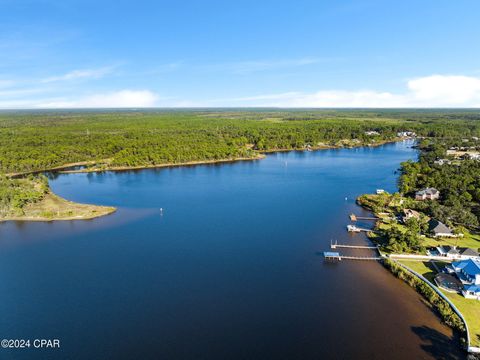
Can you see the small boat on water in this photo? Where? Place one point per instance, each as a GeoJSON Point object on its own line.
{"type": "Point", "coordinates": [353, 228]}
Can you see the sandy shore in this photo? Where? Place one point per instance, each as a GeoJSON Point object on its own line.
{"type": "Point", "coordinates": [55, 208]}
{"type": "Point", "coordinates": [188, 163]}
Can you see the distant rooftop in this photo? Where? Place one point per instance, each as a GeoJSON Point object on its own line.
{"type": "Point", "coordinates": [427, 191]}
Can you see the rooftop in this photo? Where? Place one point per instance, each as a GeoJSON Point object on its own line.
{"type": "Point", "coordinates": [428, 191]}
{"type": "Point", "coordinates": [438, 227]}
{"type": "Point", "coordinates": [470, 266]}
{"type": "Point", "coordinates": [473, 288]}
{"type": "Point", "coordinates": [469, 252]}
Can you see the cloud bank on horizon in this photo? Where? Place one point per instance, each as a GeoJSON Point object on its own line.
{"type": "Point", "coordinates": [435, 91]}
{"type": "Point", "coordinates": [447, 91]}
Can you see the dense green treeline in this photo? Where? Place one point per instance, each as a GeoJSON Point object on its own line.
{"type": "Point", "coordinates": [15, 194]}
{"type": "Point", "coordinates": [457, 180]}
{"type": "Point", "coordinates": [32, 141]}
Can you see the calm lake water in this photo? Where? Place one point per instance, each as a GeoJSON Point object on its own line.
{"type": "Point", "coordinates": [230, 271]}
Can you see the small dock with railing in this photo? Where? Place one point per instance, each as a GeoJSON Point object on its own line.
{"type": "Point", "coordinates": [354, 217]}
{"type": "Point", "coordinates": [335, 245]}
{"type": "Point", "coordinates": [335, 256]}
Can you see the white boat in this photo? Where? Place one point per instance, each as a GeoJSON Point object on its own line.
{"type": "Point", "coordinates": [352, 228]}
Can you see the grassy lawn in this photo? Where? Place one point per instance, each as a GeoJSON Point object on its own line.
{"type": "Point", "coordinates": [423, 267]}
{"type": "Point", "coordinates": [469, 240]}
{"type": "Point", "coordinates": [389, 226]}
{"type": "Point", "coordinates": [471, 311]}
{"type": "Point", "coordinates": [469, 308]}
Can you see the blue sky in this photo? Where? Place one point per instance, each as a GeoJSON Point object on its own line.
{"type": "Point", "coordinates": [365, 53]}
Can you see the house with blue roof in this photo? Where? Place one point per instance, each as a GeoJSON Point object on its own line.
{"type": "Point", "coordinates": [471, 292]}
{"type": "Point", "coordinates": [468, 272]}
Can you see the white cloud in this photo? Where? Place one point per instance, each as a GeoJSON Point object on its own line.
{"type": "Point", "coordinates": [430, 91]}
{"type": "Point", "coordinates": [452, 90]}
{"type": "Point", "coordinates": [15, 92]}
{"type": "Point", "coordinates": [117, 99]}
{"type": "Point", "coordinates": [80, 74]}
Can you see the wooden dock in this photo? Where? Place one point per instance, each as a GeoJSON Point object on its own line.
{"type": "Point", "coordinates": [336, 256]}
{"type": "Point", "coordinates": [372, 258]}
{"type": "Point", "coordinates": [336, 245]}
{"type": "Point", "coordinates": [354, 217]}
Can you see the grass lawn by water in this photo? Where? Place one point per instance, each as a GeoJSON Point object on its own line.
{"type": "Point", "coordinates": [469, 240]}
{"type": "Point", "coordinates": [468, 307]}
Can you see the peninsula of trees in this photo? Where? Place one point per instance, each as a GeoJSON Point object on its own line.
{"type": "Point", "coordinates": [30, 198]}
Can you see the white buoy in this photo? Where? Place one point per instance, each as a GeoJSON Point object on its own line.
{"type": "Point", "coordinates": [346, 198]}
{"type": "Point", "coordinates": [161, 211]}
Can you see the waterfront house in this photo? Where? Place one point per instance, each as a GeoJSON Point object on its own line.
{"type": "Point", "coordinates": [467, 253]}
{"type": "Point", "coordinates": [474, 156]}
{"type": "Point", "coordinates": [471, 292]}
{"type": "Point", "coordinates": [464, 153]}
{"type": "Point", "coordinates": [372, 133]}
{"type": "Point", "coordinates": [409, 214]}
{"type": "Point", "coordinates": [427, 194]}
{"type": "Point", "coordinates": [450, 252]}
{"type": "Point", "coordinates": [468, 272]}
{"type": "Point", "coordinates": [380, 191]}
{"type": "Point", "coordinates": [439, 229]}
{"type": "Point", "coordinates": [442, 162]}
{"type": "Point", "coordinates": [454, 253]}
{"type": "Point", "coordinates": [406, 134]}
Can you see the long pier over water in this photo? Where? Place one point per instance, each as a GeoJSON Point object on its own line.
{"type": "Point", "coordinates": [336, 256]}
{"type": "Point", "coordinates": [336, 245]}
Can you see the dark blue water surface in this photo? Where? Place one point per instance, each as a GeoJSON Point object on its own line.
{"type": "Point", "coordinates": [230, 271]}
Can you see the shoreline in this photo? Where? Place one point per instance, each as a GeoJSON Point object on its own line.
{"type": "Point", "coordinates": [453, 318]}
{"type": "Point", "coordinates": [159, 166]}
{"type": "Point", "coordinates": [104, 210]}
{"type": "Point", "coordinates": [55, 208]}
{"type": "Point", "coordinates": [343, 146]}
{"type": "Point", "coordinates": [261, 154]}
{"type": "Point", "coordinates": [45, 219]}
{"type": "Point", "coordinates": [435, 299]}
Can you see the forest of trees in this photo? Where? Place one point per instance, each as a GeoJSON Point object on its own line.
{"type": "Point", "coordinates": [36, 141]}
{"type": "Point", "coordinates": [458, 182]}
{"type": "Point", "coordinates": [15, 194]}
